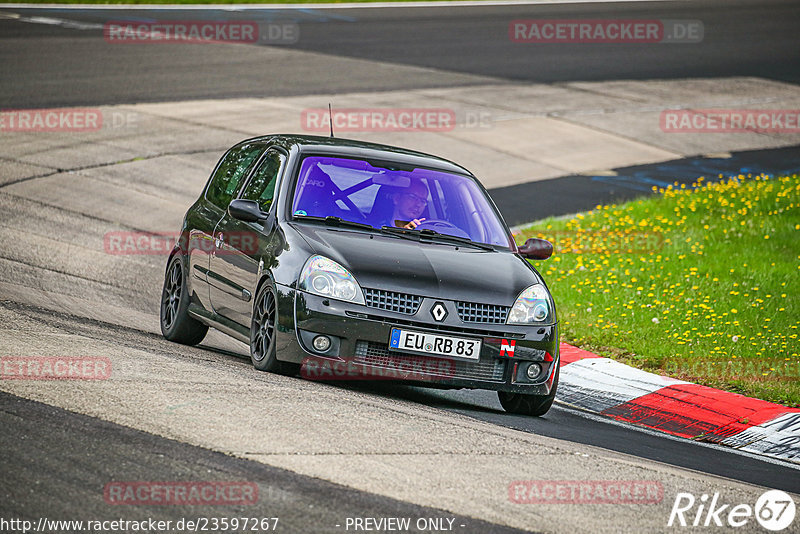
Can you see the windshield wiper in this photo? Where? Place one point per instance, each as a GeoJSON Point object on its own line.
{"type": "Point", "coordinates": [454, 239]}
{"type": "Point", "coordinates": [330, 220]}
{"type": "Point", "coordinates": [427, 233]}
{"type": "Point", "coordinates": [400, 232]}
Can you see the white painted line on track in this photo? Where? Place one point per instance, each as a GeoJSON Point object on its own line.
{"type": "Point", "coordinates": [351, 5]}
{"type": "Point", "coordinates": [72, 24]}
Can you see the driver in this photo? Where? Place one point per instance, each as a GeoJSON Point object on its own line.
{"type": "Point", "coordinates": [409, 204]}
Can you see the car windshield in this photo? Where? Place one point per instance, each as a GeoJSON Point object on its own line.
{"type": "Point", "coordinates": [387, 194]}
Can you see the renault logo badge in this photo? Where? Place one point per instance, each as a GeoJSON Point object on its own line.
{"type": "Point", "coordinates": [439, 312]}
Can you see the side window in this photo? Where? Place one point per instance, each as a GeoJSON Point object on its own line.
{"type": "Point", "coordinates": [233, 168]}
{"type": "Point", "coordinates": [262, 186]}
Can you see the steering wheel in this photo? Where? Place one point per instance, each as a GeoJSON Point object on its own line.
{"type": "Point", "coordinates": [441, 224]}
{"type": "Point", "coordinates": [433, 224]}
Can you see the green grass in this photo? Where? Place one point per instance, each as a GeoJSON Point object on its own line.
{"type": "Point", "coordinates": [696, 283]}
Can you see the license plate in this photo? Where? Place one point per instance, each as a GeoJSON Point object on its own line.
{"type": "Point", "coordinates": [434, 344]}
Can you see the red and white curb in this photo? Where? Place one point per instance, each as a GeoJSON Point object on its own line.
{"type": "Point", "coordinates": [679, 408]}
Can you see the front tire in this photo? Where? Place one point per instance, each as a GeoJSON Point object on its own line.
{"type": "Point", "coordinates": [264, 332]}
{"type": "Point", "coordinates": [176, 325]}
{"type": "Point", "coordinates": [524, 404]}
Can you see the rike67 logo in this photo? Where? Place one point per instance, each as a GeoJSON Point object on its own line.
{"type": "Point", "coordinates": [774, 510]}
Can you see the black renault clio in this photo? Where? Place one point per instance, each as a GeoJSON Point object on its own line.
{"type": "Point", "coordinates": [325, 254]}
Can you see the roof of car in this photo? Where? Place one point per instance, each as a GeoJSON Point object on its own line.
{"type": "Point", "coordinates": [338, 145]}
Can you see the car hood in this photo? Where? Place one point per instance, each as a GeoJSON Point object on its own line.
{"type": "Point", "coordinates": [427, 269]}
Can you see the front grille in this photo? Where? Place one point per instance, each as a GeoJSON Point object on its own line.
{"type": "Point", "coordinates": [443, 328]}
{"type": "Point", "coordinates": [392, 301]}
{"type": "Point", "coordinates": [378, 355]}
{"type": "Point", "coordinates": [474, 312]}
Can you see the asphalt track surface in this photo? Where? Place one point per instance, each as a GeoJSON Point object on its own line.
{"type": "Point", "coordinates": [56, 463]}
{"type": "Point", "coordinates": [57, 64]}
{"type": "Point", "coordinates": [573, 425]}
{"type": "Point", "coordinates": [51, 65]}
{"type": "Point", "coordinates": [571, 194]}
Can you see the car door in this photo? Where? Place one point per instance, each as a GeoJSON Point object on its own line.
{"type": "Point", "coordinates": [225, 181]}
{"type": "Point", "coordinates": [243, 248]}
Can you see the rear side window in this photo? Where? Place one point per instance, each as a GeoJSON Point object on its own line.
{"type": "Point", "coordinates": [231, 171]}
{"type": "Point", "coordinates": [261, 187]}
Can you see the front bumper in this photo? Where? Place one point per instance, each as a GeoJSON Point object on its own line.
{"type": "Point", "coordinates": [360, 346]}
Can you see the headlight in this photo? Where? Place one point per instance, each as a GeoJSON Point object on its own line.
{"type": "Point", "coordinates": [532, 306]}
{"type": "Point", "coordinates": [326, 278]}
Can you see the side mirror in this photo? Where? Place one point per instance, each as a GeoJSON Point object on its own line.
{"type": "Point", "coordinates": [246, 210]}
{"type": "Point", "coordinates": [536, 249]}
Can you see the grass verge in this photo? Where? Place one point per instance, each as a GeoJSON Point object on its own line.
{"type": "Point", "coordinates": [696, 283]}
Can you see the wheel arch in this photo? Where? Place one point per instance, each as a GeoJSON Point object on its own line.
{"type": "Point", "coordinates": [288, 345]}
{"type": "Point", "coordinates": [266, 277]}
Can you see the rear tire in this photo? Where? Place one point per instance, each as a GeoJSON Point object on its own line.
{"type": "Point", "coordinates": [176, 324]}
{"type": "Point", "coordinates": [264, 332]}
{"type": "Point", "coordinates": [524, 404]}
